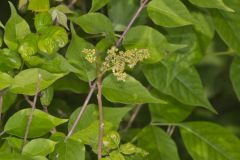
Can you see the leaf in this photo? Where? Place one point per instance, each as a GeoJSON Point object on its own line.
{"type": "Point", "coordinates": [121, 19]}
{"type": "Point", "coordinates": [185, 86]}
{"type": "Point", "coordinates": [5, 80]}
{"type": "Point", "coordinates": [71, 83]}
{"type": "Point", "coordinates": [144, 37]}
{"type": "Point", "coordinates": [86, 70]}
{"type": "Point", "coordinates": [205, 140]}
{"type": "Point", "coordinates": [42, 20]}
{"type": "Point", "coordinates": [97, 4]}
{"type": "Point", "coordinates": [227, 24]}
{"type": "Point", "coordinates": [47, 96]}
{"type": "Point", "coordinates": [39, 147]}
{"type": "Point", "coordinates": [172, 112]}
{"type": "Point", "coordinates": [26, 81]}
{"type": "Point", "coordinates": [41, 124]}
{"type": "Point", "coordinates": [113, 115]}
{"type": "Point", "coordinates": [15, 30]}
{"type": "Point", "coordinates": [8, 100]}
{"type": "Point", "coordinates": [59, 17]}
{"type": "Point", "coordinates": [234, 75]}
{"type": "Point", "coordinates": [169, 13]}
{"type": "Point", "coordinates": [9, 60]}
{"type": "Point", "coordinates": [130, 91]}
{"type": "Point", "coordinates": [14, 143]}
{"type": "Point", "coordinates": [11, 156]}
{"type": "Point", "coordinates": [95, 23]}
{"type": "Point", "coordinates": [159, 145]}
{"type": "Point", "coordinates": [70, 150]}
{"type": "Point", "coordinates": [39, 5]}
{"type": "Point", "coordinates": [218, 4]}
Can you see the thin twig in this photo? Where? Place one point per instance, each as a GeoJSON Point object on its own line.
{"type": "Point", "coordinates": [135, 16]}
{"type": "Point", "coordinates": [71, 4]}
{"type": "Point", "coordinates": [133, 116]}
{"type": "Point", "coordinates": [33, 105]}
{"type": "Point", "coordinates": [101, 122]}
{"type": "Point", "coordinates": [171, 130]}
{"type": "Point", "coordinates": [82, 110]}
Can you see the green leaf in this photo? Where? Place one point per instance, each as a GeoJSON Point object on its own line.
{"type": "Point", "coordinates": [144, 37]}
{"type": "Point", "coordinates": [95, 23]}
{"type": "Point", "coordinates": [130, 91]}
{"type": "Point", "coordinates": [47, 96]}
{"type": "Point", "coordinates": [205, 140]}
{"type": "Point", "coordinates": [25, 82]}
{"type": "Point", "coordinates": [59, 17]}
{"type": "Point", "coordinates": [14, 143]}
{"type": "Point", "coordinates": [39, 147]}
{"type": "Point", "coordinates": [71, 83]}
{"type": "Point", "coordinates": [86, 70]}
{"type": "Point", "coordinates": [42, 20]}
{"type": "Point", "coordinates": [169, 13]}
{"type": "Point", "coordinates": [39, 5]}
{"type": "Point", "coordinates": [97, 4]}
{"type": "Point", "coordinates": [218, 4]}
{"type": "Point", "coordinates": [235, 77]}
{"type": "Point", "coordinates": [15, 30]}
{"type": "Point", "coordinates": [113, 115]}
{"type": "Point", "coordinates": [41, 124]}
{"type": "Point", "coordinates": [9, 60]}
{"type": "Point", "coordinates": [172, 112]}
{"type": "Point", "coordinates": [5, 80]}
{"type": "Point", "coordinates": [8, 100]}
{"type": "Point", "coordinates": [159, 145]}
{"type": "Point", "coordinates": [227, 24]}
{"type": "Point", "coordinates": [185, 86]}
{"type": "Point", "coordinates": [70, 150]}
{"type": "Point", "coordinates": [13, 156]}
{"type": "Point", "coordinates": [121, 19]}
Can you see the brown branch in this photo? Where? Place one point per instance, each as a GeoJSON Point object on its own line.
{"type": "Point", "coordinates": [133, 116]}
{"type": "Point", "coordinates": [101, 119]}
{"type": "Point", "coordinates": [170, 130]}
{"type": "Point", "coordinates": [33, 105]}
{"type": "Point", "coordinates": [135, 16]}
{"type": "Point", "coordinates": [82, 110]}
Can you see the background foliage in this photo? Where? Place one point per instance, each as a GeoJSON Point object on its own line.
{"type": "Point", "coordinates": [182, 102]}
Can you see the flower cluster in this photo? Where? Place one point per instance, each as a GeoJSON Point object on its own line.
{"type": "Point", "coordinates": [117, 60]}
{"type": "Point", "coordinates": [90, 55]}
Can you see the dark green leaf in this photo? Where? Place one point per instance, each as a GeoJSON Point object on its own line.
{"type": "Point", "coordinates": [235, 77]}
{"type": "Point", "coordinates": [97, 4]}
{"type": "Point", "coordinates": [9, 60]}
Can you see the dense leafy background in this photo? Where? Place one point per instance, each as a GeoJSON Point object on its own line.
{"type": "Point", "coordinates": [189, 87]}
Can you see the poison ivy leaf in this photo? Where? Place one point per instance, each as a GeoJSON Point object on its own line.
{"type": "Point", "coordinates": [119, 18]}
{"type": "Point", "coordinates": [42, 20]}
{"type": "Point", "coordinates": [159, 145]}
{"type": "Point", "coordinates": [57, 64]}
{"type": "Point", "coordinates": [149, 38]}
{"type": "Point", "coordinates": [71, 149]}
{"type": "Point", "coordinates": [185, 86]}
{"type": "Point", "coordinates": [113, 115]}
{"type": "Point", "coordinates": [8, 100]}
{"type": "Point", "coordinates": [86, 70]}
{"type": "Point", "coordinates": [97, 4]}
{"type": "Point", "coordinates": [9, 60]}
{"type": "Point", "coordinates": [169, 13]}
{"type": "Point", "coordinates": [227, 24]}
{"type": "Point", "coordinates": [130, 91]}
{"type": "Point", "coordinates": [205, 140]}
{"type": "Point", "coordinates": [71, 83]}
{"type": "Point", "coordinates": [218, 4]}
{"type": "Point", "coordinates": [39, 5]}
{"type": "Point", "coordinates": [235, 77]}
{"type": "Point", "coordinates": [95, 23]}
{"type": "Point", "coordinates": [39, 147]}
{"type": "Point", "coordinates": [5, 80]}
{"type": "Point", "coordinates": [15, 30]}
{"type": "Point", "coordinates": [172, 112]}
{"type": "Point", "coordinates": [26, 81]}
{"type": "Point", "coordinates": [41, 124]}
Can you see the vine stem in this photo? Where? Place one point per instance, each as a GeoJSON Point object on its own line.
{"type": "Point", "coordinates": [143, 4]}
{"type": "Point", "coordinates": [90, 93]}
{"type": "Point", "coordinates": [101, 117]}
{"type": "Point", "coordinates": [133, 116]}
{"type": "Point", "coordinates": [33, 105]}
